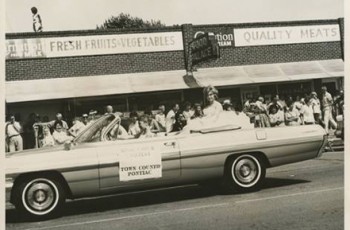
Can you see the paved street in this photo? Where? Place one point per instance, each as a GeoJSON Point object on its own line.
{"type": "Point", "coordinates": [305, 195]}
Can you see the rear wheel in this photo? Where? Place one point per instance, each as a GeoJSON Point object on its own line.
{"type": "Point", "coordinates": [244, 173]}
{"type": "Point", "coordinates": [40, 197]}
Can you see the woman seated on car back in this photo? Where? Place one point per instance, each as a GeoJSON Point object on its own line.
{"type": "Point", "coordinates": [60, 135]}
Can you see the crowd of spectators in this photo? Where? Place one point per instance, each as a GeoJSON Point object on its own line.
{"type": "Point", "coordinates": [299, 111]}
{"type": "Point", "coordinates": [255, 113]}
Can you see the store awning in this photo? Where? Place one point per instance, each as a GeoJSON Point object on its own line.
{"type": "Point", "coordinates": [58, 88]}
{"type": "Point", "coordinates": [33, 90]}
{"type": "Point", "coordinates": [264, 73]}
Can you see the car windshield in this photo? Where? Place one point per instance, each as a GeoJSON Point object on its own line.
{"type": "Point", "coordinates": [93, 133]}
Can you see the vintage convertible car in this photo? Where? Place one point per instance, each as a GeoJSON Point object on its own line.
{"type": "Point", "coordinates": [95, 163]}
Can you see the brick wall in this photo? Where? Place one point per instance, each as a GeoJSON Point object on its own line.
{"type": "Point", "coordinates": [30, 69]}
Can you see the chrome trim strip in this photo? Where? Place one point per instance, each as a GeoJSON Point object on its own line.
{"type": "Point", "coordinates": [244, 147]}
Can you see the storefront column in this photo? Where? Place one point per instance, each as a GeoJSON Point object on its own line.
{"type": "Point", "coordinates": [127, 104]}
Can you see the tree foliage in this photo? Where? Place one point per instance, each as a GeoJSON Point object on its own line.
{"type": "Point", "coordinates": [126, 21]}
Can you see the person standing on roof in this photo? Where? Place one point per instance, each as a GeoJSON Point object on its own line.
{"type": "Point", "coordinates": [37, 23]}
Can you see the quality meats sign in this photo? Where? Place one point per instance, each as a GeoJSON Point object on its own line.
{"type": "Point", "coordinates": [140, 162]}
{"type": "Point", "coordinates": [286, 35]}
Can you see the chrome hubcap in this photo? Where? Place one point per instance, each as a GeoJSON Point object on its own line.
{"type": "Point", "coordinates": [40, 196]}
{"type": "Point", "coordinates": [245, 171]}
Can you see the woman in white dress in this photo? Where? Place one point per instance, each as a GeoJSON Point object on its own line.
{"type": "Point", "coordinates": [213, 108]}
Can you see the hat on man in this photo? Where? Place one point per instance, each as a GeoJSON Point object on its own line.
{"type": "Point", "coordinates": [84, 115]}
{"type": "Point", "coordinates": [92, 112]}
{"type": "Point", "coordinates": [227, 102]}
{"type": "Point", "coordinates": [313, 94]}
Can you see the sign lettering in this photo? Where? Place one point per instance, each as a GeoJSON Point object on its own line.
{"type": "Point", "coordinates": [140, 162]}
{"type": "Point", "coordinates": [286, 35]}
{"type": "Point", "coordinates": [93, 45]}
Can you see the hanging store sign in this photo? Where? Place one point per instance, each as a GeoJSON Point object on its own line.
{"type": "Point", "coordinates": [203, 48]}
{"type": "Point", "coordinates": [286, 35]}
{"type": "Point", "coordinates": [93, 45]}
{"type": "Point", "coordinates": [223, 38]}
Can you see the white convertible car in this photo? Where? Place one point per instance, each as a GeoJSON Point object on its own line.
{"type": "Point", "coordinates": [38, 181]}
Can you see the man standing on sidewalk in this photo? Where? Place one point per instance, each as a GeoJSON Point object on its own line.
{"type": "Point", "coordinates": [13, 135]}
{"type": "Point", "coordinates": [327, 107]}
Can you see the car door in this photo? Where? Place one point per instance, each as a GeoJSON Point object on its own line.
{"type": "Point", "coordinates": [138, 162]}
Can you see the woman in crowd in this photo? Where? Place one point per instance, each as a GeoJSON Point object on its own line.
{"type": "Point", "coordinates": [291, 115]}
{"type": "Point", "coordinates": [198, 112]}
{"type": "Point", "coordinates": [134, 127]}
{"type": "Point", "coordinates": [316, 107]}
{"type": "Point", "coordinates": [276, 116]}
{"type": "Point", "coordinates": [47, 139]}
{"type": "Point", "coordinates": [60, 135]}
{"type": "Point", "coordinates": [144, 127]}
{"type": "Point", "coordinates": [261, 118]}
{"type": "Point", "coordinates": [180, 122]}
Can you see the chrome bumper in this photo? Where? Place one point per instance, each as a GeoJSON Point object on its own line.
{"type": "Point", "coordinates": [8, 186]}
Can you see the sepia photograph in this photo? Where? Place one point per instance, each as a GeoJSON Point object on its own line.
{"type": "Point", "coordinates": [167, 115]}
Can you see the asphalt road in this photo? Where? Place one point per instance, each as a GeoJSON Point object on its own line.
{"type": "Point", "coordinates": [305, 195]}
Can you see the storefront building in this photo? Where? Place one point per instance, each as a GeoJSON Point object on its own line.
{"type": "Point", "coordinates": [73, 72]}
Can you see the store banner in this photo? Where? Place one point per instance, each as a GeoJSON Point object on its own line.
{"type": "Point", "coordinates": [286, 35]}
{"type": "Point", "coordinates": [93, 45]}
{"type": "Point", "coordinates": [140, 162]}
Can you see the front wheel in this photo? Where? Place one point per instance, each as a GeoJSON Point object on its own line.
{"type": "Point", "coordinates": [244, 173]}
{"type": "Point", "coordinates": [40, 197]}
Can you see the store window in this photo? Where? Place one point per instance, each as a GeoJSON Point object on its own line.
{"type": "Point", "coordinates": [84, 105]}
{"type": "Point", "coordinates": [151, 101]}
{"type": "Point", "coordinates": [268, 92]}
{"type": "Point", "coordinates": [294, 89]}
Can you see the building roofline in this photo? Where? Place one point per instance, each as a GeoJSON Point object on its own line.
{"type": "Point", "coordinates": [164, 29]}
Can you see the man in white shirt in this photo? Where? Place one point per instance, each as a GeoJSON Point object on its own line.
{"type": "Point", "coordinates": [170, 118]}
{"type": "Point", "coordinates": [13, 135]}
{"type": "Point", "coordinates": [160, 118]}
{"type": "Point", "coordinates": [327, 107]}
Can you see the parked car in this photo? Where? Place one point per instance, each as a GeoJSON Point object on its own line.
{"type": "Point", "coordinates": [97, 162]}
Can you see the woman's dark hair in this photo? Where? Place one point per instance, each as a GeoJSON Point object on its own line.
{"type": "Point", "coordinates": [57, 123]}
{"type": "Point", "coordinates": [273, 107]}
{"type": "Point", "coordinates": [133, 114]}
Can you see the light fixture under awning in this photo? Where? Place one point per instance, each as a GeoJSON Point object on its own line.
{"type": "Point", "coordinates": [264, 73]}
{"type": "Point", "coordinates": [58, 88]}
